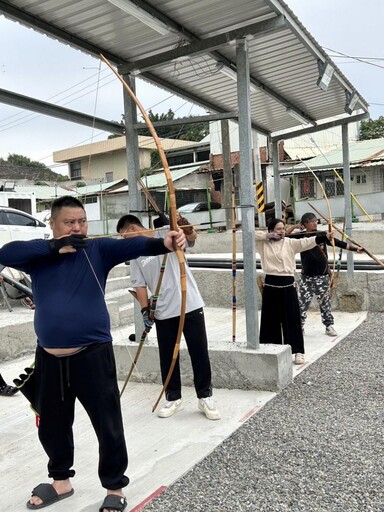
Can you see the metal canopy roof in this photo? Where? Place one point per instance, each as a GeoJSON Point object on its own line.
{"type": "Point", "coordinates": [196, 47]}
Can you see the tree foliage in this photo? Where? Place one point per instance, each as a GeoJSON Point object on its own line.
{"type": "Point", "coordinates": [22, 161]}
{"type": "Point", "coordinates": [184, 131]}
{"type": "Point", "coordinates": [372, 129]}
{"type": "Point", "coordinates": [45, 173]}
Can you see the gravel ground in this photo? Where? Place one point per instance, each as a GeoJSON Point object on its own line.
{"type": "Point", "coordinates": [317, 446]}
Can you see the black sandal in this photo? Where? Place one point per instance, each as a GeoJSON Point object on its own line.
{"type": "Point", "coordinates": [114, 502]}
{"type": "Point", "coordinates": [8, 390]}
{"type": "Point", "coordinates": [48, 495]}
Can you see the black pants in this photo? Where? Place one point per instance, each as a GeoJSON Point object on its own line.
{"type": "Point", "coordinates": [196, 338]}
{"type": "Point", "coordinates": [280, 314]}
{"type": "Point", "coordinates": [89, 376]}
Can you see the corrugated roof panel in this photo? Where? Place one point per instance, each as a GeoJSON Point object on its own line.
{"type": "Point", "coordinates": [285, 61]}
{"type": "Point", "coordinates": [43, 192]}
{"type": "Point", "coordinates": [159, 180]}
{"type": "Point", "coordinates": [359, 152]}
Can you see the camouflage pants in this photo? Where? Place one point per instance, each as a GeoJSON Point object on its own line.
{"type": "Point", "coordinates": [318, 286]}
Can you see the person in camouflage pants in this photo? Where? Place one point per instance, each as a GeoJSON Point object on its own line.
{"type": "Point", "coordinates": [315, 279]}
{"type": "Point", "coordinates": [320, 287]}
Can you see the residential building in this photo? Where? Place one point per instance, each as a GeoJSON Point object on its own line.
{"type": "Point", "coordinates": [107, 161]}
{"type": "Point", "coordinates": [366, 175]}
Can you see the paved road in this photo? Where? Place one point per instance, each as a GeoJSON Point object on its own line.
{"type": "Point", "coordinates": [317, 446]}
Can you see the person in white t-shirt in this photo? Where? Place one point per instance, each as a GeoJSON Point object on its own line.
{"type": "Point", "coordinates": [145, 273]}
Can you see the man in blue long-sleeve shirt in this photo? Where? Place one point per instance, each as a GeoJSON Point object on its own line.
{"type": "Point", "coordinates": [74, 356]}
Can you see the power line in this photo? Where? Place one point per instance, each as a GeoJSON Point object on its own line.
{"type": "Point", "coordinates": [359, 59]}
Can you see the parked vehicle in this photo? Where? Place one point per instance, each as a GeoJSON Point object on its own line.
{"type": "Point", "coordinates": [198, 207]}
{"type": "Point", "coordinates": [18, 225]}
{"type": "Point", "coordinates": [204, 215]}
{"type": "Point", "coordinates": [44, 216]}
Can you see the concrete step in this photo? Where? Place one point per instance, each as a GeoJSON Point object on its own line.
{"type": "Point", "coordinates": [17, 335]}
{"type": "Point", "coordinates": [117, 283]}
{"type": "Point", "coordinates": [119, 271]}
{"type": "Point", "coordinates": [120, 295]}
{"type": "Point", "coordinates": [127, 314]}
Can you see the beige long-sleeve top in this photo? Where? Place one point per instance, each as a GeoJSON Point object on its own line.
{"type": "Point", "coordinates": [278, 256]}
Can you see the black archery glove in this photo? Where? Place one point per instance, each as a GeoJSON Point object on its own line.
{"type": "Point", "coordinates": [321, 237]}
{"type": "Point", "coordinates": [148, 321]}
{"type": "Point", "coordinates": [75, 241]}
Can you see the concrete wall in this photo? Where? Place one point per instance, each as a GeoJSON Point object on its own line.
{"type": "Point", "coordinates": [372, 203]}
{"type": "Point", "coordinates": [367, 234]}
{"type": "Point", "coordinates": [96, 166]}
{"type": "Point", "coordinates": [362, 293]}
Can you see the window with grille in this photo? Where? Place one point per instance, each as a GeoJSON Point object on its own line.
{"type": "Point", "coordinates": [306, 187]}
{"type": "Point", "coordinates": [332, 185]}
{"type": "Point", "coordinates": [90, 199]}
{"type": "Point", "coordinates": [75, 170]}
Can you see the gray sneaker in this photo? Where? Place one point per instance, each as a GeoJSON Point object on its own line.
{"type": "Point", "coordinates": [170, 407]}
{"type": "Point", "coordinates": [330, 331]}
{"type": "Point", "coordinates": [208, 407]}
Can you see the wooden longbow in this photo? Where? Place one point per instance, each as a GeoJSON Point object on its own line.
{"type": "Point", "coordinates": [173, 225]}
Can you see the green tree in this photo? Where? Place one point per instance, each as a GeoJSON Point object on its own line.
{"type": "Point", "coordinates": [184, 131]}
{"type": "Point", "coordinates": [372, 129]}
{"type": "Point", "coordinates": [45, 172]}
{"type": "Point", "coordinates": [23, 161]}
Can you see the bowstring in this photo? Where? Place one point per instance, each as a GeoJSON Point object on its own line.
{"type": "Point", "coordinates": [121, 336]}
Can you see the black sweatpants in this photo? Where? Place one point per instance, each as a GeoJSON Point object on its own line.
{"type": "Point", "coordinates": [196, 338]}
{"type": "Point", "coordinates": [89, 376]}
{"type": "Point", "coordinates": [280, 313]}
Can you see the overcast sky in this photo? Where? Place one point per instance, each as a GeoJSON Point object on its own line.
{"type": "Point", "coordinates": [40, 67]}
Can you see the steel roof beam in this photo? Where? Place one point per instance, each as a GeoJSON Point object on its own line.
{"type": "Point", "coordinates": [190, 120]}
{"type": "Point", "coordinates": [40, 25]}
{"type": "Point", "coordinates": [206, 45]}
{"type": "Point", "coordinates": [310, 43]}
{"type": "Point", "coordinates": [320, 127]}
{"type": "Point", "coordinates": [42, 107]}
{"type": "Point", "coordinates": [195, 99]}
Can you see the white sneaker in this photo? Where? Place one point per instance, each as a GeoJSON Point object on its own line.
{"type": "Point", "coordinates": [330, 331]}
{"type": "Point", "coordinates": [208, 407]}
{"type": "Point", "coordinates": [299, 359]}
{"type": "Point", "coordinates": [170, 407]}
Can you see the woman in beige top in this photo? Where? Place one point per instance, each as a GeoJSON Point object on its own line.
{"type": "Point", "coordinates": [280, 312]}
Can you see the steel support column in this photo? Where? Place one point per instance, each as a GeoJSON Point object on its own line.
{"type": "Point", "coordinates": [228, 181]}
{"type": "Point", "coordinates": [276, 179]}
{"type": "Point", "coordinates": [347, 195]}
{"type": "Point", "coordinates": [135, 202]}
{"type": "Point", "coordinates": [132, 150]}
{"type": "Point", "coordinates": [247, 195]}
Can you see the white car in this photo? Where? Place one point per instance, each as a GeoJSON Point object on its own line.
{"type": "Point", "coordinates": [18, 225]}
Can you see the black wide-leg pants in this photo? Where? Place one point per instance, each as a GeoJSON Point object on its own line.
{"type": "Point", "coordinates": [89, 376]}
{"type": "Point", "coordinates": [280, 313]}
{"type": "Point", "coordinates": [196, 338]}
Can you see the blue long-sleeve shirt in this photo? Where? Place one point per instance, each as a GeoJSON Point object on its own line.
{"type": "Point", "coordinates": [68, 289]}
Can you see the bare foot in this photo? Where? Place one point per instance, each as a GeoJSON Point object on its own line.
{"type": "Point", "coordinates": [60, 486]}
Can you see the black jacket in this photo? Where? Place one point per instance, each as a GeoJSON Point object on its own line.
{"type": "Point", "coordinates": [315, 261]}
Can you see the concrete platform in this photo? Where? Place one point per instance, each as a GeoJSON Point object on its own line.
{"type": "Point", "coordinates": [268, 368]}
{"type": "Point", "coordinates": [161, 450]}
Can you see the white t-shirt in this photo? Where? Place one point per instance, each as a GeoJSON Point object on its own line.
{"type": "Point", "coordinates": [145, 271]}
